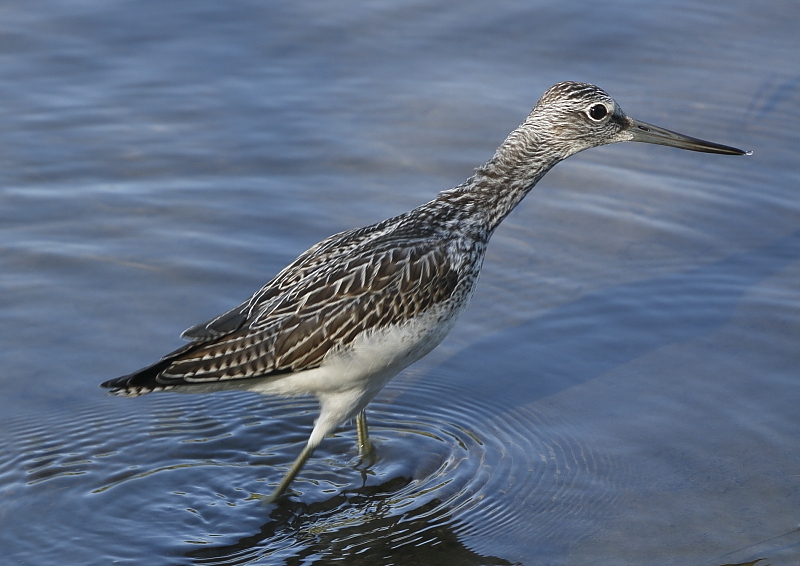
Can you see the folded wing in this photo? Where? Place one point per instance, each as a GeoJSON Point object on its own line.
{"type": "Point", "coordinates": [332, 293]}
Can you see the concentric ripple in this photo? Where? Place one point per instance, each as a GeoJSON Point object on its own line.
{"type": "Point", "coordinates": [452, 473]}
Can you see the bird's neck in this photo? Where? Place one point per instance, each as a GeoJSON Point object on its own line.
{"type": "Point", "coordinates": [500, 184]}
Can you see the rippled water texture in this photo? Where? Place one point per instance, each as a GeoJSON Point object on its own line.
{"type": "Point", "coordinates": [623, 389]}
{"type": "Point", "coordinates": [207, 475]}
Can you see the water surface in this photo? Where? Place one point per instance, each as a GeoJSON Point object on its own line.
{"type": "Point", "coordinates": [623, 389]}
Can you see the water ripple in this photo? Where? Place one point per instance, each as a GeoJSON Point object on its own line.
{"type": "Point", "coordinates": [449, 476]}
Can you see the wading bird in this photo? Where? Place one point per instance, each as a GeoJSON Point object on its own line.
{"type": "Point", "coordinates": [351, 312]}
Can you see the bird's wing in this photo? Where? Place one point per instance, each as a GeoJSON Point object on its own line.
{"type": "Point", "coordinates": [319, 303]}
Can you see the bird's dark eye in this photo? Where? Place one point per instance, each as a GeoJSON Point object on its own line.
{"type": "Point", "coordinates": [598, 112]}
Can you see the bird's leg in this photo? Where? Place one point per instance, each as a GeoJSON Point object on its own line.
{"type": "Point", "coordinates": [296, 467]}
{"type": "Point", "coordinates": [364, 445]}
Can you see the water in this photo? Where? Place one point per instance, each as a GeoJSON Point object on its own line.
{"type": "Point", "coordinates": [623, 389]}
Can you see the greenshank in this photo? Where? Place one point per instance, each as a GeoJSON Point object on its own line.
{"type": "Point", "coordinates": [355, 309]}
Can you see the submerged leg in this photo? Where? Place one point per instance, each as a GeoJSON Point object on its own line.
{"type": "Point", "coordinates": [364, 445]}
{"type": "Point", "coordinates": [334, 409]}
{"type": "Point", "coordinates": [296, 467]}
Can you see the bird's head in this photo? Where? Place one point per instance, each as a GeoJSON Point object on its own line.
{"type": "Point", "coordinates": [572, 117]}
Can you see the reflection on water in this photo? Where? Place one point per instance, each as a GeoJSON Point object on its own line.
{"type": "Point", "coordinates": [373, 532]}
{"type": "Point", "coordinates": [623, 389]}
{"type": "Point", "coordinates": [434, 481]}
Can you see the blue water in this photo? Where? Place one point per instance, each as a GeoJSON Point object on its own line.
{"type": "Point", "coordinates": [623, 389]}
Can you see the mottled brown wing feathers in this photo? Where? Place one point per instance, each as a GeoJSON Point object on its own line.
{"type": "Point", "coordinates": [305, 312]}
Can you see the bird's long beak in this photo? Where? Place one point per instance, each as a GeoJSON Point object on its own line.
{"type": "Point", "coordinates": [647, 133]}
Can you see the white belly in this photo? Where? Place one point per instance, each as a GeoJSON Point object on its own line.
{"type": "Point", "coordinates": [369, 363]}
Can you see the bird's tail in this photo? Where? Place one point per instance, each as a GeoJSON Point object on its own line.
{"type": "Point", "coordinates": [145, 380]}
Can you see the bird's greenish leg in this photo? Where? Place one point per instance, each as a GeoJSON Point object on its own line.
{"type": "Point", "coordinates": [364, 445]}
{"type": "Point", "coordinates": [305, 454]}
